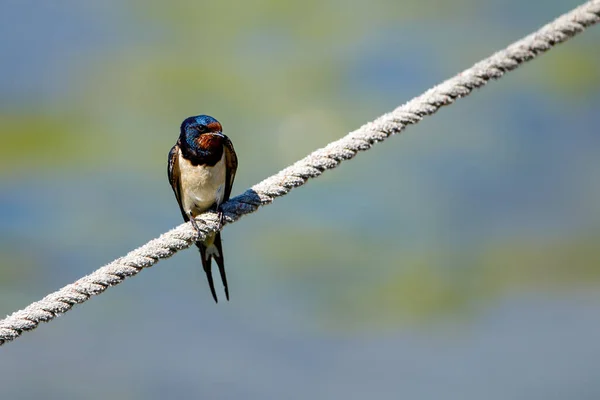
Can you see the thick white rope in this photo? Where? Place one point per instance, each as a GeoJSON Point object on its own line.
{"type": "Point", "coordinates": [297, 174]}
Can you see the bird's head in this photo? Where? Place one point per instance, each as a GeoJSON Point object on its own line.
{"type": "Point", "coordinates": [201, 131]}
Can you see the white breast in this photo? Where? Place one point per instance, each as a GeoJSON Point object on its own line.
{"type": "Point", "coordinates": [201, 186]}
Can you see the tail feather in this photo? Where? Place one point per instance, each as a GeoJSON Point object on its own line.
{"type": "Point", "coordinates": [221, 263]}
{"type": "Point", "coordinates": [209, 249]}
{"type": "Point", "coordinates": [206, 264]}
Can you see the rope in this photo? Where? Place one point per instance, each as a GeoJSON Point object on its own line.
{"type": "Point", "coordinates": [183, 236]}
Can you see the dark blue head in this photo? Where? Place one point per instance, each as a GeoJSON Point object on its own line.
{"type": "Point", "coordinates": [195, 126]}
{"type": "Point", "coordinates": [201, 134]}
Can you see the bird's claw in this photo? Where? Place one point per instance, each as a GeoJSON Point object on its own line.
{"type": "Point", "coordinates": [195, 224]}
{"type": "Point", "coordinates": [220, 218]}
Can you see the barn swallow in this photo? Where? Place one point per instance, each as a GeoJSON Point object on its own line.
{"type": "Point", "coordinates": [202, 167]}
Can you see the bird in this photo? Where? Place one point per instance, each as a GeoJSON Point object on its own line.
{"type": "Point", "coordinates": [201, 170]}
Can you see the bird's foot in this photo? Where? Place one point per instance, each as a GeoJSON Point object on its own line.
{"type": "Point", "coordinates": [195, 224]}
{"type": "Point", "coordinates": [220, 218]}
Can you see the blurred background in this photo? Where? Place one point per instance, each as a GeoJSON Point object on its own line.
{"type": "Point", "coordinates": [458, 261]}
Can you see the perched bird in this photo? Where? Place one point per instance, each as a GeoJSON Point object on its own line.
{"type": "Point", "coordinates": [202, 167]}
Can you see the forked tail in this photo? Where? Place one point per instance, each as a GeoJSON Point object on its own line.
{"type": "Point", "coordinates": [209, 249]}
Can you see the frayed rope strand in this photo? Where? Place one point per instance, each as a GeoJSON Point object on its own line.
{"type": "Point", "coordinates": [183, 236]}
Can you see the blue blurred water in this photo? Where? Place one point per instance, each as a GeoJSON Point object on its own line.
{"type": "Point", "coordinates": [457, 260]}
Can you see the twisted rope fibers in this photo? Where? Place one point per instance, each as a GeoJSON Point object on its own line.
{"type": "Point", "coordinates": [263, 193]}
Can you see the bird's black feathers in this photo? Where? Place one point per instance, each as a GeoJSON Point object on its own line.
{"type": "Point", "coordinates": [207, 264]}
